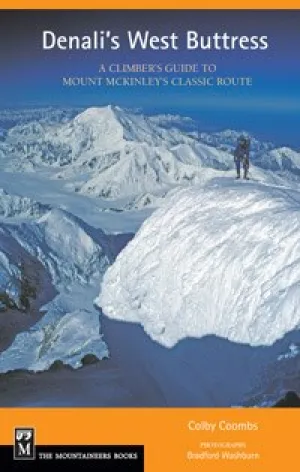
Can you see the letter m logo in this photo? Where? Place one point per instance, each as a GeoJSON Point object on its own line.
{"type": "Point", "coordinates": [24, 444]}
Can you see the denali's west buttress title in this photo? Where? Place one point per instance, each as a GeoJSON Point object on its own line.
{"type": "Point", "coordinates": [145, 40]}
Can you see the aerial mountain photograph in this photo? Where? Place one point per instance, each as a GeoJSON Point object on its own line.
{"type": "Point", "coordinates": [149, 209]}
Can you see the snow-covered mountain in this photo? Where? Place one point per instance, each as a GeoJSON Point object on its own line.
{"type": "Point", "coordinates": [76, 257]}
{"type": "Point", "coordinates": [210, 280]}
{"type": "Point", "coordinates": [15, 116]}
{"type": "Point", "coordinates": [10, 272]}
{"type": "Point", "coordinates": [220, 260]}
{"type": "Point", "coordinates": [227, 139]}
{"type": "Point", "coordinates": [280, 159]}
{"type": "Point", "coordinates": [118, 154]}
{"type": "Point", "coordinates": [18, 206]}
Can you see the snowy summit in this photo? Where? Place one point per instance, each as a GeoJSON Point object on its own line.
{"type": "Point", "coordinates": [199, 272]}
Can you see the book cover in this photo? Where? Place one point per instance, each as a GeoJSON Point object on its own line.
{"type": "Point", "coordinates": [149, 239]}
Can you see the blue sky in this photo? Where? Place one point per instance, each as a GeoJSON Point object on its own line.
{"type": "Point", "coordinates": [270, 108]}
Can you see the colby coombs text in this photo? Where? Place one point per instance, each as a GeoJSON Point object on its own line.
{"type": "Point", "coordinates": [222, 425]}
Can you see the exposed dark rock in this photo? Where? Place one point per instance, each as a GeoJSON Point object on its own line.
{"type": "Point", "coordinates": [89, 359]}
{"type": "Point", "coordinates": [57, 365]}
{"type": "Point", "coordinates": [291, 399]}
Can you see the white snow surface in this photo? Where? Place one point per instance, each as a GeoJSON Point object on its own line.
{"type": "Point", "coordinates": [68, 331]}
{"type": "Point", "coordinates": [112, 153]}
{"type": "Point", "coordinates": [222, 259]}
{"type": "Point", "coordinates": [76, 256]}
{"type": "Point", "coordinates": [16, 205]}
{"type": "Point", "coordinates": [10, 273]}
{"type": "Point", "coordinates": [66, 246]}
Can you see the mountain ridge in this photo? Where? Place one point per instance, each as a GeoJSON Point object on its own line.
{"type": "Point", "coordinates": [114, 153]}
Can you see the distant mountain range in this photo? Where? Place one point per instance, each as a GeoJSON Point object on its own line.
{"type": "Point", "coordinates": [116, 154]}
{"type": "Point", "coordinates": [199, 298]}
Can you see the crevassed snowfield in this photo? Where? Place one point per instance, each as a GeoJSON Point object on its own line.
{"type": "Point", "coordinates": [211, 257]}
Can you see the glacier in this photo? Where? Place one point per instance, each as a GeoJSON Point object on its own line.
{"type": "Point", "coordinates": [199, 273]}
{"type": "Point", "coordinates": [117, 154]}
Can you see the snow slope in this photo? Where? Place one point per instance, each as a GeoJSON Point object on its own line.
{"type": "Point", "coordinates": [114, 153]}
{"type": "Point", "coordinates": [201, 304]}
{"type": "Point", "coordinates": [19, 206]}
{"type": "Point", "coordinates": [142, 168]}
{"type": "Point", "coordinates": [10, 273]}
{"type": "Point", "coordinates": [210, 280]}
{"type": "Point", "coordinates": [69, 249]}
{"type": "Point", "coordinates": [222, 260]}
{"type": "Point", "coordinates": [76, 256]}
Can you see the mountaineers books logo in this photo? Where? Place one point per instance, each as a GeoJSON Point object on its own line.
{"type": "Point", "coordinates": [24, 444]}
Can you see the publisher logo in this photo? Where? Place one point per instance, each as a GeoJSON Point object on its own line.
{"type": "Point", "coordinates": [24, 444]}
